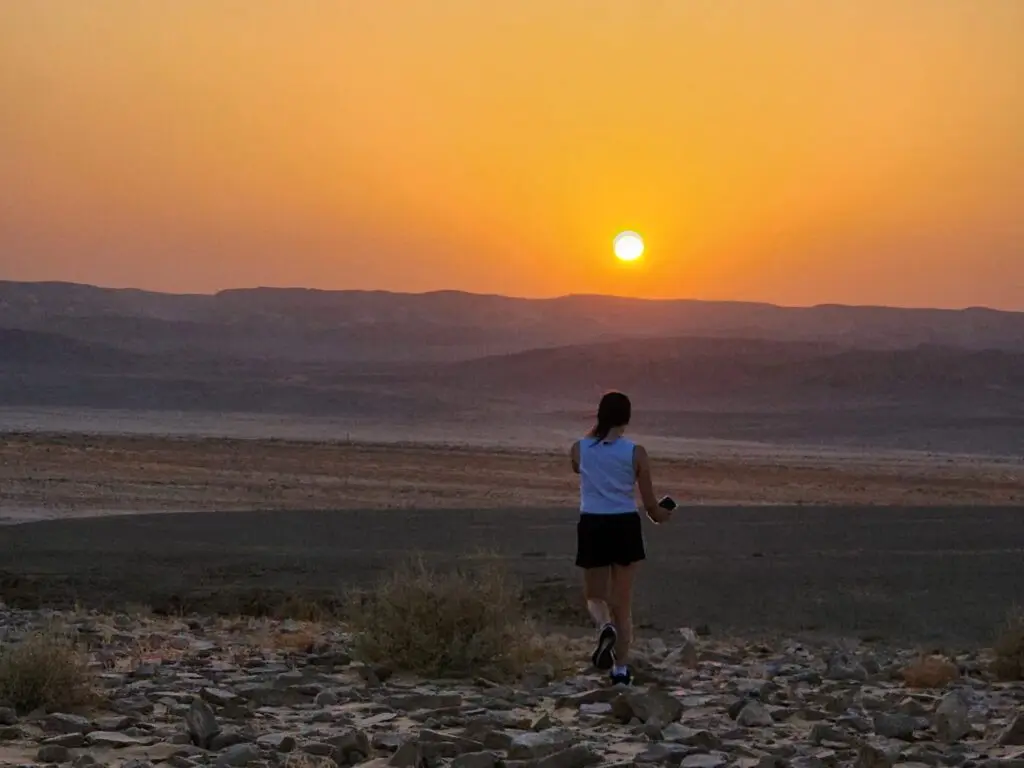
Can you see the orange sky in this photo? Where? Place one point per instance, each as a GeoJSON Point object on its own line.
{"type": "Point", "coordinates": [794, 151]}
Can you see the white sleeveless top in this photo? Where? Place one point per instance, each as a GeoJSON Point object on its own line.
{"type": "Point", "coordinates": [607, 477]}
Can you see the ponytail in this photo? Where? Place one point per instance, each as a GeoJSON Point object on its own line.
{"type": "Point", "coordinates": [613, 411]}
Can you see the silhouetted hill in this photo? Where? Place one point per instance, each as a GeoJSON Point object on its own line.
{"type": "Point", "coordinates": [377, 326]}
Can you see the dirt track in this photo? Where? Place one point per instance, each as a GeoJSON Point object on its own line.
{"type": "Point", "coordinates": [929, 575]}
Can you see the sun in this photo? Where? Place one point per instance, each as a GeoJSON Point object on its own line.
{"type": "Point", "coordinates": [629, 246]}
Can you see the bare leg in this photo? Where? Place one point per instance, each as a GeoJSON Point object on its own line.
{"type": "Point", "coordinates": [596, 585]}
{"type": "Point", "coordinates": [621, 595]}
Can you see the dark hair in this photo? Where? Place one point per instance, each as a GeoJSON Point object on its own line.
{"type": "Point", "coordinates": [613, 411]}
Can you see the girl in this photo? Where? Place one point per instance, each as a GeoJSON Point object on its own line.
{"type": "Point", "coordinates": [609, 534]}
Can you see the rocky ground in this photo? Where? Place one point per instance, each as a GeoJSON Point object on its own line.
{"type": "Point", "coordinates": [213, 692]}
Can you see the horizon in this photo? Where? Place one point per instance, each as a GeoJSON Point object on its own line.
{"type": "Point", "coordinates": [499, 150]}
{"type": "Point", "coordinates": [556, 297]}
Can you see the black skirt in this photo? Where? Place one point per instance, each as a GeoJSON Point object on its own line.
{"type": "Point", "coordinates": [603, 540]}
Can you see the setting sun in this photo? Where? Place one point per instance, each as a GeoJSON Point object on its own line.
{"type": "Point", "coordinates": [629, 246]}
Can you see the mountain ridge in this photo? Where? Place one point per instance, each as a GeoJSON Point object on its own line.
{"type": "Point", "coordinates": [309, 324]}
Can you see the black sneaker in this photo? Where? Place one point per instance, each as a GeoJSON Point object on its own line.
{"type": "Point", "coordinates": [604, 655]}
{"type": "Point", "coordinates": [622, 678]}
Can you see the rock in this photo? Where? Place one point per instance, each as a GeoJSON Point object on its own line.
{"type": "Point", "coordinates": [1013, 736]}
{"type": "Point", "coordinates": [578, 756]}
{"type": "Point", "coordinates": [53, 753]}
{"type": "Point", "coordinates": [841, 668]}
{"type": "Point", "coordinates": [303, 760]}
{"type": "Point", "coordinates": [540, 744]}
{"type": "Point", "coordinates": [663, 753]}
{"type": "Point", "coordinates": [350, 747]}
{"type": "Point", "coordinates": [228, 737]}
{"type": "Point", "coordinates": [8, 716]}
{"type": "Point", "coordinates": [900, 727]}
{"type": "Point", "coordinates": [64, 723]}
{"type": "Point", "coordinates": [84, 761]}
{"type": "Point", "coordinates": [201, 723]}
{"type": "Point", "coordinates": [476, 760]}
{"type": "Point", "coordinates": [646, 706]}
{"type": "Point", "coordinates": [691, 737]}
{"type": "Point", "coordinates": [713, 760]}
{"type": "Point", "coordinates": [414, 701]}
{"type": "Point", "coordinates": [869, 756]}
{"type": "Point", "coordinates": [237, 756]}
{"type": "Point", "coordinates": [69, 740]}
{"type": "Point", "coordinates": [277, 742]}
{"type": "Point", "coordinates": [116, 739]}
{"type": "Point", "coordinates": [326, 699]}
{"type": "Point", "coordinates": [114, 723]}
{"type": "Point", "coordinates": [218, 697]}
{"type": "Point", "coordinates": [409, 755]}
{"type": "Point", "coordinates": [754, 715]}
{"type": "Point", "coordinates": [951, 718]}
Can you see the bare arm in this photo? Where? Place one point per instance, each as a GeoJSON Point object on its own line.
{"type": "Point", "coordinates": [642, 465]}
{"type": "Point", "coordinates": [574, 455]}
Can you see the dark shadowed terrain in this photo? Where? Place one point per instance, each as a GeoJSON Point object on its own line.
{"type": "Point", "coordinates": [923, 380]}
{"type": "Point", "coordinates": [940, 575]}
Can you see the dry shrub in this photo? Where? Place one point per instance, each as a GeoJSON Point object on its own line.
{"type": "Point", "coordinates": [930, 672]}
{"type": "Point", "coordinates": [45, 671]}
{"type": "Point", "coordinates": [1009, 648]}
{"type": "Point", "coordinates": [462, 622]}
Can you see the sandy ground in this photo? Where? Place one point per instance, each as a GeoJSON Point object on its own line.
{"type": "Point", "coordinates": [879, 546]}
{"type": "Point", "coordinates": [70, 475]}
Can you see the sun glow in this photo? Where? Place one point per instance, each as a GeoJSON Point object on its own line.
{"type": "Point", "coordinates": [629, 246]}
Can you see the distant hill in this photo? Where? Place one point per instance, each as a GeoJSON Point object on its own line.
{"type": "Point", "coordinates": [823, 393]}
{"type": "Point", "coordinates": [687, 372]}
{"type": "Point", "coordinates": [376, 327]}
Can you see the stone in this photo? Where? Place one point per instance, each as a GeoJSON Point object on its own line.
{"type": "Point", "coordinates": [227, 737]}
{"type": "Point", "coordinates": [1013, 735]}
{"type": "Point", "coordinates": [538, 744]}
{"type": "Point", "coordinates": [64, 723]}
{"type": "Point", "coordinates": [53, 753]}
{"type": "Point", "coordinates": [842, 668]}
{"type": "Point", "coordinates": [8, 716]}
{"type": "Point", "coordinates": [900, 727]}
{"type": "Point", "coordinates": [951, 718]}
{"type": "Point", "coordinates": [277, 742]}
{"type": "Point", "coordinates": [870, 756]}
{"type": "Point", "coordinates": [69, 740]}
{"type": "Point", "coordinates": [754, 715]}
{"type": "Point", "coordinates": [577, 756]}
{"type": "Point", "coordinates": [482, 759]}
{"type": "Point", "coordinates": [238, 756]}
{"type": "Point", "coordinates": [326, 699]}
{"type": "Point", "coordinates": [116, 739]}
{"type": "Point", "coordinates": [201, 723]}
{"type": "Point", "coordinates": [218, 697]}
{"type": "Point", "coordinates": [646, 706]}
{"type": "Point", "coordinates": [691, 737]}
{"type": "Point", "coordinates": [711, 760]}
{"type": "Point", "coordinates": [350, 747]}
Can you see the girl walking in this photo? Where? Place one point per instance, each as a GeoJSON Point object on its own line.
{"type": "Point", "coordinates": [609, 534]}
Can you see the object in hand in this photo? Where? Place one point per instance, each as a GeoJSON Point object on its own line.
{"type": "Point", "coordinates": [667, 502]}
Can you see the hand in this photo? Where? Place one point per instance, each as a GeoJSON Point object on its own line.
{"type": "Point", "coordinates": [659, 515]}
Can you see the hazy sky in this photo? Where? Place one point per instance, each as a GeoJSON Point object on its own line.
{"type": "Point", "coordinates": [795, 151]}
